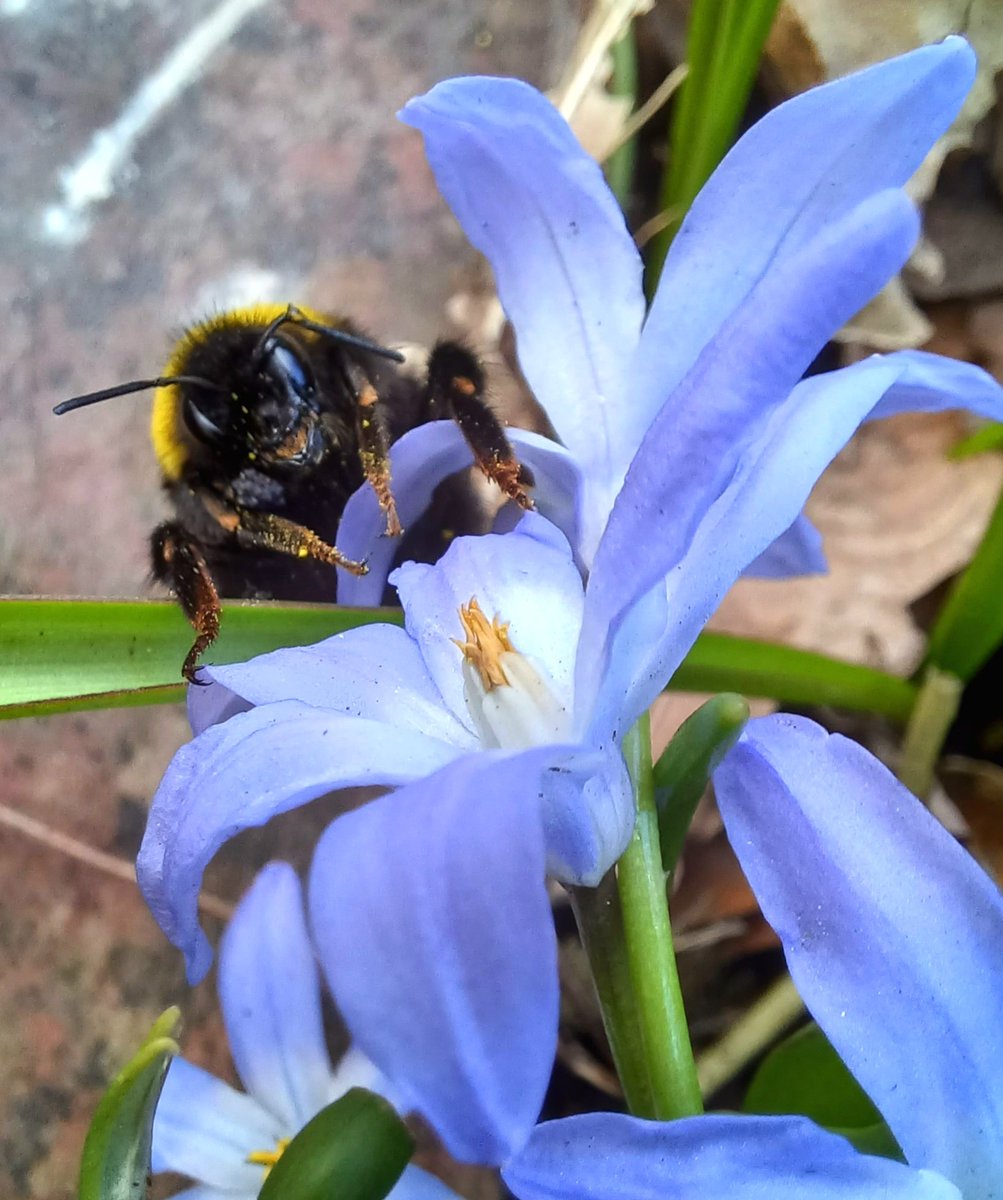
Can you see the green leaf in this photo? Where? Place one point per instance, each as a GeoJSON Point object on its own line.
{"type": "Point", "coordinates": [804, 1074]}
{"type": "Point", "coordinates": [970, 625]}
{"type": "Point", "coordinates": [989, 437]}
{"type": "Point", "coordinates": [62, 655]}
{"type": "Point", "coordinates": [116, 1157]}
{"type": "Point", "coordinates": [680, 776]}
{"type": "Point", "coordinates": [71, 655]}
{"type": "Point", "coordinates": [724, 45]}
{"type": "Point", "coordinates": [355, 1149]}
{"type": "Point", "coordinates": [619, 166]}
{"type": "Point", "coordinates": [721, 663]}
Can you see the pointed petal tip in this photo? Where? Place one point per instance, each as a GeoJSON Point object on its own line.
{"type": "Point", "coordinates": [958, 50]}
{"type": "Point", "coordinates": [463, 90]}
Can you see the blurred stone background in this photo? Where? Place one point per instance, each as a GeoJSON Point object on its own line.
{"type": "Point", "coordinates": [279, 172]}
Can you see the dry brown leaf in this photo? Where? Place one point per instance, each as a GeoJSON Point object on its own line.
{"type": "Point", "coordinates": [976, 788]}
{"type": "Point", "coordinates": [599, 120]}
{"type": "Point", "coordinates": [815, 40]}
{"type": "Point", "coordinates": [890, 322]}
{"type": "Point", "coordinates": [897, 517]}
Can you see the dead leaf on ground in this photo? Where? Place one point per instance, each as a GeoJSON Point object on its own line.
{"type": "Point", "coordinates": [976, 788]}
{"type": "Point", "coordinates": [816, 40]}
{"type": "Point", "coordinates": [896, 517]}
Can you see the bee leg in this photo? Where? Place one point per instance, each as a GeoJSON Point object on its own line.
{"type": "Point", "coordinates": [455, 388]}
{"type": "Point", "coordinates": [374, 444]}
{"type": "Point", "coordinates": [179, 562]}
{"type": "Point", "coordinates": [269, 532]}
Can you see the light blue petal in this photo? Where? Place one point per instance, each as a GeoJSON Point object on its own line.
{"type": "Point", "coordinates": [210, 1193]}
{"type": "Point", "coordinates": [432, 924]}
{"type": "Point", "coordinates": [419, 462]}
{"type": "Point", "coordinates": [697, 455]}
{"type": "Point", "coordinates": [205, 1130]}
{"type": "Point", "coordinates": [269, 990]}
{"type": "Point", "coordinates": [559, 485]}
{"type": "Point", "coordinates": [416, 1184]}
{"type": "Point", "coordinates": [893, 935]}
{"type": "Point", "coordinates": [374, 671]}
{"type": "Point", "coordinates": [239, 775]}
{"type": "Point", "coordinates": [588, 815]}
{"type": "Point", "coordinates": [355, 1070]}
{"type": "Point", "coordinates": [568, 273]}
{"type": "Point", "coordinates": [804, 166]}
{"type": "Point", "coordinates": [211, 704]}
{"type": "Point", "coordinates": [932, 383]}
{"type": "Point", "coordinates": [797, 551]}
{"type": "Point", "coordinates": [606, 1156]}
{"type": "Point", "coordinates": [526, 578]}
{"type": "Point", "coordinates": [925, 383]}
{"type": "Point", "coordinates": [772, 483]}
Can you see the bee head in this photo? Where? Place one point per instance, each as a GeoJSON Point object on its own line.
{"type": "Point", "coordinates": [268, 415]}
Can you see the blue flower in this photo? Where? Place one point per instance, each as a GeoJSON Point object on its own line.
{"type": "Point", "coordinates": [691, 447]}
{"type": "Point", "coordinates": [774, 250]}
{"type": "Point", "coordinates": [894, 938]}
{"type": "Point", "coordinates": [269, 989]}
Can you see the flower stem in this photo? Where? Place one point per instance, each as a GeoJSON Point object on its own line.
{"type": "Point", "coordinates": [660, 1015]}
{"type": "Point", "coordinates": [932, 716]}
{"type": "Point", "coordinates": [620, 164]}
{"type": "Point", "coordinates": [600, 922]}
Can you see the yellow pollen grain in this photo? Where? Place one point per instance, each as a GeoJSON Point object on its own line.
{"type": "Point", "coordinates": [268, 1158]}
{"type": "Point", "coordinates": [485, 643]}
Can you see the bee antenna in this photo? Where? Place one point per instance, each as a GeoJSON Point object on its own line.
{"type": "Point", "coordinates": [293, 316]}
{"type": "Point", "coordinates": [137, 385]}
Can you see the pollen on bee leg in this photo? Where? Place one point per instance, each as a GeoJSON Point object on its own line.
{"type": "Point", "coordinates": [511, 702]}
{"type": "Point", "coordinates": [374, 455]}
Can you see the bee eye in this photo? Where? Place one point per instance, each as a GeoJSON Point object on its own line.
{"type": "Point", "coordinates": [286, 363]}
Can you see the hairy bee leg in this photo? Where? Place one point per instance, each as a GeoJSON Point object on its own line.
{"type": "Point", "coordinates": [179, 562]}
{"type": "Point", "coordinates": [374, 444]}
{"type": "Point", "coordinates": [269, 532]}
{"type": "Point", "coordinates": [455, 389]}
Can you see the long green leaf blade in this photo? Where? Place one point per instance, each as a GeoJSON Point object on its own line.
{"type": "Point", "coordinates": [58, 655]}
{"type": "Point", "coordinates": [721, 663]}
{"type": "Point", "coordinates": [970, 625]}
{"type": "Point", "coordinates": [72, 655]}
{"type": "Point", "coordinates": [681, 774]}
{"type": "Point", "coordinates": [725, 42]}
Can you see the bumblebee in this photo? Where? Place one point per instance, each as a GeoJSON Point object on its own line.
{"type": "Point", "coordinates": [265, 420]}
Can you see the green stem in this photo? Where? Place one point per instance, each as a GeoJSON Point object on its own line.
{"type": "Point", "coordinates": [970, 625]}
{"type": "Point", "coordinates": [660, 1014]}
{"type": "Point", "coordinates": [620, 164]}
{"type": "Point", "coordinates": [600, 922]}
{"type": "Point", "coordinates": [932, 716]}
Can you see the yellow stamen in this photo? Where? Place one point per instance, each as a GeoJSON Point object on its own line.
{"type": "Point", "coordinates": [268, 1158]}
{"type": "Point", "coordinates": [485, 643]}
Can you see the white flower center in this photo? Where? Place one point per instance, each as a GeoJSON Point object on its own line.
{"type": "Point", "coordinates": [511, 701]}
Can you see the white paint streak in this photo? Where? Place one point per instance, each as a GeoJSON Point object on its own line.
{"type": "Point", "coordinates": [93, 177]}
